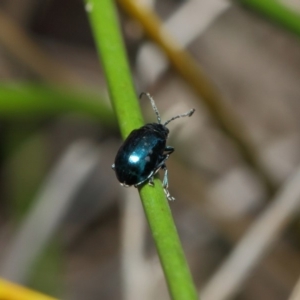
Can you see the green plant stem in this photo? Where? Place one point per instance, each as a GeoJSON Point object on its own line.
{"type": "Point", "coordinates": [277, 11]}
{"type": "Point", "coordinates": [167, 243]}
{"type": "Point", "coordinates": [29, 101]}
{"type": "Point", "coordinates": [110, 47]}
{"type": "Point", "coordinates": [104, 23]}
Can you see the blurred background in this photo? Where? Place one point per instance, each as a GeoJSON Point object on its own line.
{"type": "Point", "coordinates": [69, 230]}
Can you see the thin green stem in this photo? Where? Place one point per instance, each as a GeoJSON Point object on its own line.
{"type": "Point", "coordinates": [26, 101]}
{"type": "Point", "coordinates": [277, 11]}
{"type": "Point", "coordinates": [104, 22]}
{"type": "Point", "coordinates": [110, 47]}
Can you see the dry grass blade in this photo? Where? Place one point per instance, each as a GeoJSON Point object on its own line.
{"type": "Point", "coordinates": [141, 275]}
{"type": "Point", "coordinates": [50, 207]}
{"type": "Point", "coordinates": [229, 279]}
{"type": "Point", "coordinates": [9, 290]}
{"type": "Point", "coordinates": [134, 265]}
{"type": "Point", "coordinates": [296, 292]}
{"type": "Point", "coordinates": [151, 63]}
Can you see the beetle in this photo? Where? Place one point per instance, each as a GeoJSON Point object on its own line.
{"type": "Point", "coordinates": [144, 153]}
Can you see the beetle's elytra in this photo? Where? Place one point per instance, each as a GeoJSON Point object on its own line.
{"type": "Point", "coordinates": [144, 152]}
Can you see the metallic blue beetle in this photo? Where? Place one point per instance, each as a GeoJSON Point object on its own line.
{"type": "Point", "coordinates": [144, 153]}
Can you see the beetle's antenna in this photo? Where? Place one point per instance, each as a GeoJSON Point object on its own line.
{"type": "Point", "coordinates": [187, 114]}
{"type": "Point", "coordinates": [153, 106]}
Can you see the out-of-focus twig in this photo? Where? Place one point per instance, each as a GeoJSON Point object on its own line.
{"type": "Point", "coordinates": [133, 233]}
{"type": "Point", "coordinates": [256, 242]}
{"type": "Point", "coordinates": [189, 69]}
{"type": "Point", "coordinates": [18, 43]}
{"type": "Point", "coordinates": [135, 268]}
{"type": "Point", "coordinates": [51, 205]}
{"type": "Point", "coordinates": [278, 11]}
{"type": "Point", "coordinates": [24, 101]}
{"type": "Point", "coordinates": [11, 291]}
{"type": "Point", "coordinates": [200, 14]}
{"type": "Point", "coordinates": [296, 292]}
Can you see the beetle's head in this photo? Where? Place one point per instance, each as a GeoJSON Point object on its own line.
{"type": "Point", "coordinates": [158, 128]}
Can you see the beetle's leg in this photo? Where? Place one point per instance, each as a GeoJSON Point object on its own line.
{"type": "Point", "coordinates": [124, 185]}
{"type": "Point", "coordinates": [166, 184]}
{"type": "Point", "coordinates": [151, 182]}
{"type": "Point", "coordinates": [169, 150]}
{"type": "Point", "coordinates": [165, 180]}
